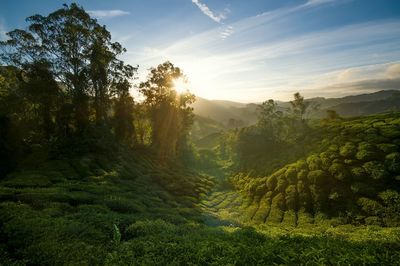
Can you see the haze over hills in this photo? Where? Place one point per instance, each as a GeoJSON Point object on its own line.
{"type": "Point", "coordinates": [246, 114]}
{"type": "Point", "coordinates": [222, 111]}
{"type": "Point", "coordinates": [103, 160]}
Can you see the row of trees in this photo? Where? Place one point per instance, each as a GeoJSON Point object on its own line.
{"type": "Point", "coordinates": [265, 145]}
{"type": "Point", "coordinates": [62, 78]}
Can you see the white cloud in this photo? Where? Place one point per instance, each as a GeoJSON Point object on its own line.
{"type": "Point", "coordinates": [207, 11]}
{"type": "Point", "coordinates": [318, 2]}
{"type": "Point", "coordinates": [267, 56]}
{"type": "Point", "coordinates": [393, 71]}
{"type": "Point", "coordinates": [107, 13]}
{"type": "Point", "coordinates": [346, 74]}
{"type": "Point", "coordinates": [228, 31]}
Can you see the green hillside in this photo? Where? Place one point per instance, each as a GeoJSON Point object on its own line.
{"type": "Point", "coordinates": [91, 176]}
{"type": "Point", "coordinates": [348, 106]}
{"type": "Point", "coordinates": [223, 111]}
{"type": "Point", "coordinates": [350, 174]}
{"type": "Point", "coordinates": [203, 127]}
{"type": "Point", "coordinates": [124, 208]}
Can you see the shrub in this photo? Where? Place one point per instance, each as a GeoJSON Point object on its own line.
{"type": "Point", "coordinates": [318, 177]}
{"type": "Point", "coordinates": [149, 227]}
{"type": "Point", "coordinates": [281, 184]}
{"type": "Point", "coordinates": [291, 197]}
{"type": "Point", "coordinates": [366, 152]}
{"type": "Point", "coordinates": [291, 175]}
{"type": "Point", "coordinates": [359, 173]}
{"type": "Point", "coordinates": [393, 162]}
{"type": "Point", "coordinates": [376, 170]}
{"type": "Point", "coordinates": [27, 179]}
{"type": "Point", "coordinates": [339, 171]}
{"type": "Point", "coordinates": [314, 162]}
{"type": "Point", "coordinates": [365, 155]}
{"type": "Point", "coordinates": [327, 158]}
{"type": "Point", "coordinates": [319, 196]}
{"type": "Point", "coordinates": [350, 162]}
{"type": "Point", "coordinates": [390, 131]}
{"type": "Point", "coordinates": [373, 220]}
{"type": "Point", "coordinates": [301, 165]}
{"type": "Point", "coordinates": [261, 190]}
{"type": "Point", "coordinates": [387, 148]}
{"type": "Point", "coordinates": [362, 188]}
{"type": "Point", "coordinates": [82, 166]}
{"type": "Point", "coordinates": [279, 201]}
{"type": "Point", "coordinates": [369, 206]}
{"type": "Point", "coordinates": [302, 175]}
{"type": "Point", "coordinates": [391, 202]}
{"type": "Point", "coordinates": [271, 182]}
{"type": "Point", "coordinates": [348, 150]}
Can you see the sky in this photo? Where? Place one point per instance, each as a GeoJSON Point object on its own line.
{"type": "Point", "coordinates": [250, 50]}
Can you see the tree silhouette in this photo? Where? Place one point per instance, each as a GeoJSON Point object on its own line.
{"type": "Point", "coordinates": [171, 114]}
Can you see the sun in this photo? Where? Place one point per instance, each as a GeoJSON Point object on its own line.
{"type": "Point", "coordinates": [180, 85]}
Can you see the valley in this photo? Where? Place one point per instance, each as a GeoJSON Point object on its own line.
{"type": "Point", "coordinates": [105, 162]}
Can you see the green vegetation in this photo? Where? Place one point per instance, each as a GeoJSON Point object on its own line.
{"type": "Point", "coordinates": [350, 168]}
{"type": "Point", "coordinates": [56, 214]}
{"type": "Point", "coordinates": [89, 176]}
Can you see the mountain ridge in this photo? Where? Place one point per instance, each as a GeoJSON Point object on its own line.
{"type": "Point", "coordinates": [246, 113]}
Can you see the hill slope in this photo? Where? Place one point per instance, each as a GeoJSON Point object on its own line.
{"type": "Point", "coordinates": [124, 208]}
{"type": "Point", "coordinates": [223, 111]}
{"type": "Point", "coordinates": [353, 176]}
{"type": "Point", "coordinates": [356, 105]}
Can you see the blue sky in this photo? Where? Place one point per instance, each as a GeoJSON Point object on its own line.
{"type": "Point", "coordinates": [251, 50]}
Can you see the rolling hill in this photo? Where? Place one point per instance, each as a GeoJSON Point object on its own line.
{"type": "Point", "coordinates": [246, 114]}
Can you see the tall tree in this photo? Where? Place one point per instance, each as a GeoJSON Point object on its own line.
{"type": "Point", "coordinates": [80, 55]}
{"type": "Point", "coordinates": [42, 91]}
{"type": "Point", "coordinates": [171, 114]}
{"type": "Point", "coordinates": [299, 106]}
{"type": "Point", "coordinates": [123, 114]}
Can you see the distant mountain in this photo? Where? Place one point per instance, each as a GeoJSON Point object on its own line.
{"type": "Point", "coordinates": [368, 107]}
{"type": "Point", "coordinates": [369, 97]}
{"type": "Point", "coordinates": [360, 105]}
{"type": "Point", "coordinates": [230, 114]}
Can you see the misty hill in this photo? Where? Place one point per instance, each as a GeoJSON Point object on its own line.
{"type": "Point", "coordinates": [224, 111]}
{"type": "Point", "coordinates": [368, 97]}
{"type": "Point", "coordinates": [204, 126]}
{"type": "Point", "coordinates": [246, 114]}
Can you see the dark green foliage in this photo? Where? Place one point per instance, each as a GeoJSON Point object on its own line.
{"type": "Point", "coordinates": [88, 177]}
{"type": "Point", "coordinates": [376, 170]}
{"type": "Point", "coordinates": [366, 152]}
{"type": "Point", "coordinates": [371, 207]}
{"type": "Point", "coordinates": [171, 113]}
{"type": "Point", "coordinates": [393, 162]}
{"type": "Point", "coordinates": [391, 201]}
{"type": "Point", "coordinates": [341, 173]}
{"type": "Point", "coordinates": [359, 173]}
{"type": "Point", "coordinates": [348, 150]}
{"type": "Point", "coordinates": [314, 162]}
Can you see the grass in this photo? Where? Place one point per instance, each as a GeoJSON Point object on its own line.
{"type": "Point", "coordinates": [126, 209]}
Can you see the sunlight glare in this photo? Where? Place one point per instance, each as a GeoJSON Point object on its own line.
{"type": "Point", "coordinates": [180, 85]}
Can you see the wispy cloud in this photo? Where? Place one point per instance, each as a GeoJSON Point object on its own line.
{"type": "Point", "coordinates": [352, 88]}
{"type": "Point", "coordinates": [393, 72]}
{"type": "Point", "coordinates": [226, 32]}
{"type": "Point", "coordinates": [318, 2]}
{"type": "Point", "coordinates": [209, 13]}
{"type": "Point", "coordinates": [108, 13]}
{"type": "Point", "coordinates": [3, 30]}
{"type": "Point", "coordinates": [271, 56]}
